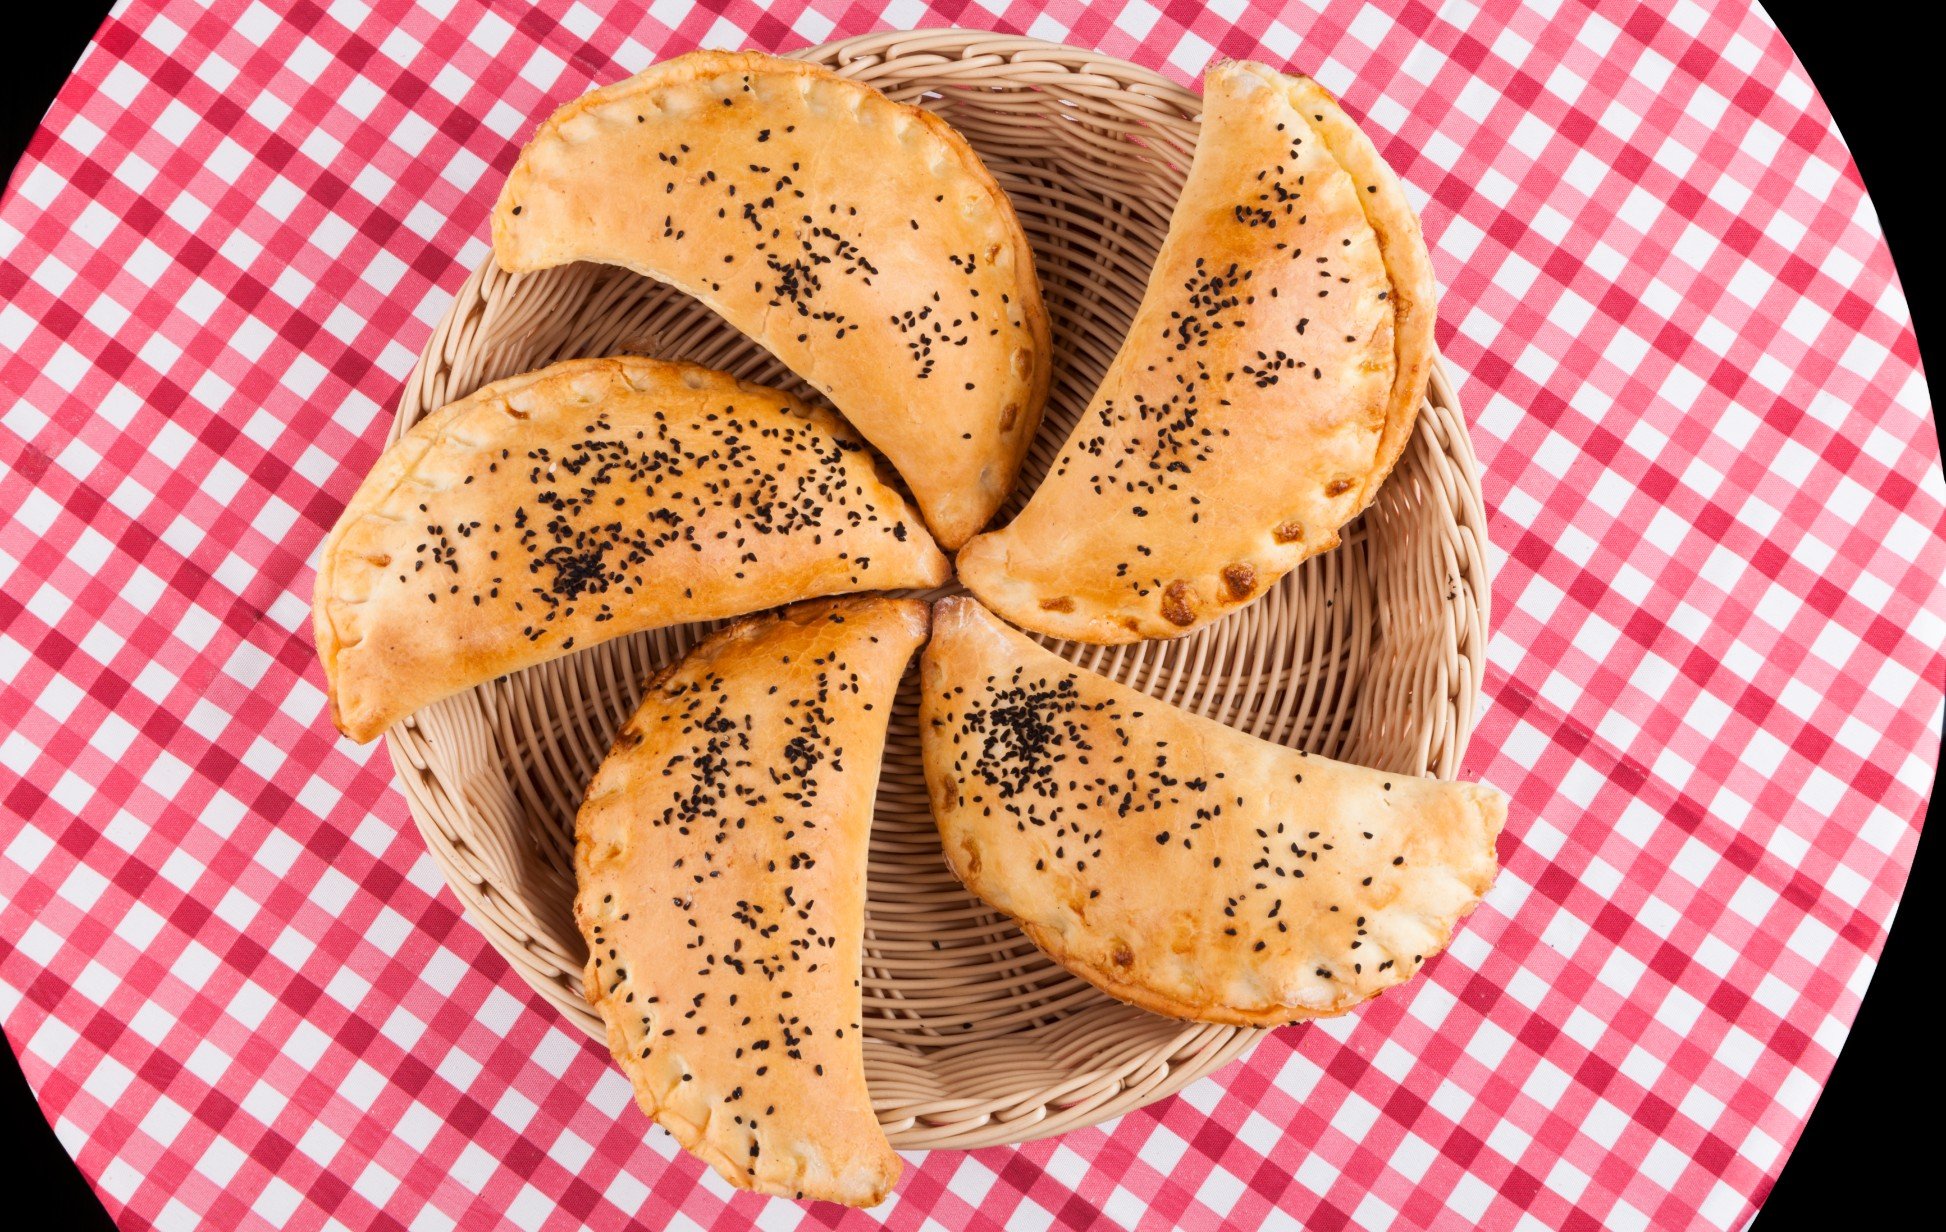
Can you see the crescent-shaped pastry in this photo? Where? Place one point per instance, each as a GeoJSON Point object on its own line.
{"type": "Point", "coordinates": [1176, 863]}
{"type": "Point", "coordinates": [860, 240]}
{"type": "Point", "coordinates": [721, 857]}
{"type": "Point", "coordinates": [591, 499]}
{"type": "Point", "coordinates": [1267, 384]}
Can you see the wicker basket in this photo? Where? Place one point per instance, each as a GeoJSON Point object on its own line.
{"type": "Point", "coordinates": [1372, 653]}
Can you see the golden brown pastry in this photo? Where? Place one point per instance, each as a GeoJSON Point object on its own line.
{"type": "Point", "coordinates": [860, 240]}
{"type": "Point", "coordinates": [594, 498]}
{"type": "Point", "coordinates": [1176, 863]}
{"type": "Point", "coordinates": [1266, 386]}
{"type": "Point", "coordinates": [721, 861]}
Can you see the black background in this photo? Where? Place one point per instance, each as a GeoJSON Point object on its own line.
{"type": "Point", "coordinates": [1878, 76]}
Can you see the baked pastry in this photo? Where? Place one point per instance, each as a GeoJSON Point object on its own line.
{"type": "Point", "coordinates": [860, 240]}
{"type": "Point", "coordinates": [1176, 863]}
{"type": "Point", "coordinates": [1267, 384]}
{"type": "Point", "coordinates": [593, 498]}
{"type": "Point", "coordinates": [720, 856]}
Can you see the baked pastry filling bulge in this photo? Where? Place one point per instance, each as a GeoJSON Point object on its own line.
{"type": "Point", "coordinates": [591, 499]}
{"type": "Point", "coordinates": [859, 240]}
{"type": "Point", "coordinates": [1267, 384]}
{"type": "Point", "coordinates": [1177, 863]}
{"type": "Point", "coordinates": [720, 856]}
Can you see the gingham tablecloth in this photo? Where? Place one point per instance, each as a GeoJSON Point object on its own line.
{"type": "Point", "coordinates": [233, 975]}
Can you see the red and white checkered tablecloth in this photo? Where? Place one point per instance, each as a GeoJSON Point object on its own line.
{"type": "Point", "coordinates": [232, 973]}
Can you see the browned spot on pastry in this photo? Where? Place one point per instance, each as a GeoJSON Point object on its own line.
{"type": "Point", "coordinates": [1131, 624]}
{"type": "Point", "coordinates": [1289, 532]}
{"type": "Point", "coordinates": [1337, 487]}
{"type": "Point", "coordinates": [1239, 581]}
{"type": "Point", "coordinates": [1124, 957]}
{"type": "Point", "coordinates": [1062, 604]}
{"type": "Point", "coordinates": [971, 855]}
{"type": "Point", "coordinates": [1008, 415]}
{"type": "Point", "coordinates": [381, 560]}
{"type": "Point", "coordinates": [514, 412]}
{"type": "Point", "coordinates": [1176, 608]}
{"type": "Point", "coordinates": [627, 738]}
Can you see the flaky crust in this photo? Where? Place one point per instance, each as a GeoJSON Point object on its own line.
{"type": "Point", "coordinates": [1176, 863]}
{"type": "Point", "coordinates": [860, 240]}
{"type": "Point", "coordinates": [591, 499]}
{"type": "Point", "coordinates": [1268, 383]}
{"type": "Point", "coordinates": [720, 856]}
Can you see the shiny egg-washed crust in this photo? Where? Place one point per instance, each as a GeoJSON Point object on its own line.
{"type": "Point", "coordinates": [1176, 863]}
{"type": "Point", "coordinates": [1267, 384]}
{"type": "Point", "coordinates": [720, 858]}
{"type": "Point", "coordinates": [591, 499]}
{"type": "Point", "coordinates": [859, 240]}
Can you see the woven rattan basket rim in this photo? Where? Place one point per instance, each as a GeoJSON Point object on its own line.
{"type": "Point", "coordinates": [1405, 691]}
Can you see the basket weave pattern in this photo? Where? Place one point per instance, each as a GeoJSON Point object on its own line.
{"type": "Point", "coordinates": [1372, 653]}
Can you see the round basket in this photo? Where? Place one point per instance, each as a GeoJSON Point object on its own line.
{"type": "Point", "coordinates": [1371, 653]}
